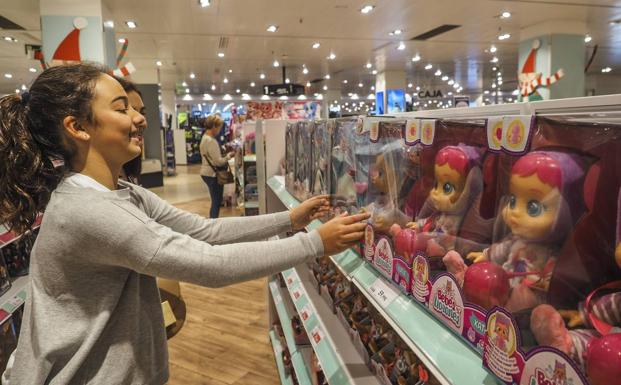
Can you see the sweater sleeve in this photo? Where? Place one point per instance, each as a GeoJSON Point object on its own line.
{"type": "Point", "coordinates": [122, 235]}
{"type": "Point", "coordinates": [214, 154]}
{"type": "Point", "coordinates": [214, 231]}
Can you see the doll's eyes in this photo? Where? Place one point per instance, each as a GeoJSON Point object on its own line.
{"type": "Point", "coordinates": [448, 188]}
{"type": "Point", "coordinates": [534, 208]}
{"type": "Point", "coordinates": [512, 202]}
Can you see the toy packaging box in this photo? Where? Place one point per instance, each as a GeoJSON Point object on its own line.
{"type": "Point", "coordinates": [343, 169]}
{"type": "Point", "coordinates": [290, 146]}
{"type": "Point", "coordinates": [303, 160]}
{"type": "Point", "coordinates": [322, 146]}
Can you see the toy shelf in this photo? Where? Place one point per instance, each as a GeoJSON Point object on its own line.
{"type": "Point", "coordinates": [7, 236]}
{"type": "Point", "coordinates": [284, 378]}
{"type": "Point", "coordinates": [14, 298]}
{"type": "Point", "coordinates": [285, 314]}
{"type": "Point", "coordinates": [444, 353]}
{"type": "Point", "coordinates": [341, 363]}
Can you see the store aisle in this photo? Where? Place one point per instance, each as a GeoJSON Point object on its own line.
{"type": "Point", "coordinates": [224, 340]}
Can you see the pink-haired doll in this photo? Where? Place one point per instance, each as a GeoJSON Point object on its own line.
{"type": "Point", "coordinates": [545, 199]}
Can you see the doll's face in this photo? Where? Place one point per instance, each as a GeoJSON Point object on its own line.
{"type": "Point", "coordinates": [533, 207]}
{"type": "Point", "coordinates": [379, 175]}
{"type": "Point", "coordinates": [501, 331]}
{"type": "Point", "coordinates": [449, 187]}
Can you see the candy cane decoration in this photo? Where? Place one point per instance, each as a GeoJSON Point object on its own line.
{"type": "Point", "coordinates": [126, 70]}
{"type": "Point", "coordinates": [540, 81]}
{"type": "Point", "coordinates": [119, 58]}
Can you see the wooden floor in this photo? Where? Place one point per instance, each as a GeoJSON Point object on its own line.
{"type": "Point", "coordinates": [225, 337]}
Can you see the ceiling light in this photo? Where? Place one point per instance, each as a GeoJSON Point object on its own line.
{"type": "Point", "coordinates": [486, 92]}
{"type": "Point", "coordinates": [265, 97]}
{"type": "Point", "coordinates": [246, 97]}
{"type": "Point", "coordinates": [499, 82]}
{"type": "Point", "coordinates": [308, 84]}
{"type": "Point", "coordinates": [374, 72]}
{"type": "Point", "coordinates": [188, 97]}
{"type": "Point", "coordinates": [11, 39]}
{"type": "Point", "coordinates": [220, 54]}
{"type": "Point", "coordinates": [276, 63]}
{"type": "Point", "coordinates": [366, 9]}
{"type": "Point", "coordinates": [213, 87]}
{"type": "Point", "coordinates": [262, 76]}
{"type": "Point", "coordinates": [410, 85]}
{"type": "Point", "coordinates": [445, 78]}
{"type": "Point", "coordinates": [456, 85]}
{"type": "Point", "coordinates": [369, 65]}
{"type": "Point", "coordinates": [332, 56]}
{"type": "Point", "coordinates": [184, 84]}
{"type": "Point", "coordinates": [302, 97]}
{"type": "Point", "coordinates": [505, 15]}
{"type": "Point", "coordinates": [158, 63]}
{"type": "Point", "coordinates": [252, 84]}
{"type": "Point", "coordinates": [192, 75]}
{"type": "Point", "coordinates": [360, 85]}
{"type": "Point", "coordinates": [204, 3]}
{"type": "Point", "coordinates": [131, 24]}
{"type": "Point", "coordinates": [350, 94]}
{"type": "Point", "coordinates": [345, 81]}
{"type": "Point", "coordinates": [515, 92]}
{"type": "Point", "coordinates": [226, 80]}
{"type": "Point", "coordinates": [32, 69]}
{"type": "Point", "coordinates": [207, 97]}
{"type": "Point", "coordinates": [316, 45]}
{"type": "Point", "coordinates": [305, 70]}
{"type": "Point", "coordinates": [416, 58]}
{"type": "Point", "coordinates": [451, 82]}
{"type": "Point", "coordinates": [238, 90]}
{"type": "Point", "coordinates": [504, 36]}
{"type": "Point", "coordinates": [372, 88]}
{"type": "Point", "coordinates": [438, 73]}
{"type": "Point", "coordinates": [122, 40]}
{"type": "Point", "coordinates": [606, 70]}
{"type": "Point", "coordinates": [417, 88]}
{"type": "Point", "coordinates": [272, 28]}
{"type": "Point", "coordinates": [287, 81]}
{"type": "Point", "coordinates": [24, 88]}
{"type": "Point", "coordinates": [109, 24]}
{"type": "Point", "coordinates": [187, 90]}
{"type": "Point", "coordinates": [227, 97]}
{"type": "Point", "coordinates": [588, 38]}
{"type": "Point", "coordinates": [493, 49]}
{"type": "Point", "coordinates": [325, 88]}
{"type": "Point", "coordinates": [327, 76]}
{"type": "Point", "coordinates": [494, 60]}
{"type": "Point", "coordinates": [401, 46]}
{"type": "Point", "coordinates": [355, 97]}
{"type": "Point", "coordinates": [493, 85]}
{"type": "Point", "coordinates": [615, 22]}
{"type": "Point", "coordinates": [397, 32]}
{"type": "Point", "coordinates": [230, 71]}
{"type": "Point", "coordinates": [371, 97]}
{"type": "Point", "coordinates": [494, 68]}
{"type": "Point", "coordinates": [428, 66]}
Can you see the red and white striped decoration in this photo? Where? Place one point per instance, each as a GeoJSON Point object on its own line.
{"type": "Point", "coordinates": [540, 81]}
{"type": "Point", "coordinates": [126, 70]}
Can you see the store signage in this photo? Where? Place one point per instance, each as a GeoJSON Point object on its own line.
{"type": "Point", "coordinates": [283, 89]}
{"type": "Point", "coordinates": [382, 292]}
{"type": "Point", "coordinates": [430, 94]}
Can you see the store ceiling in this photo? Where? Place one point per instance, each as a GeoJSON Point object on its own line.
{"type": "Point", "coordinates": [187, 38]}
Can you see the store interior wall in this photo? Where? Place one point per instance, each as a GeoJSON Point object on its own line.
{"type": "Point", "coordinates": [152, 136]}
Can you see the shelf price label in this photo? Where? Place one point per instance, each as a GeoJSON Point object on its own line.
{"type": "Point", "coordinates": [316, 335]}
{"type": "Point", "coordinates": [383, 293]}
{"type": "Point", "coordinates": [297, 294]}
{"type": "Point", "coordinates": [305, 313]}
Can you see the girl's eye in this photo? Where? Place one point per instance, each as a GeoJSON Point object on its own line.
{"type": "Point", "coordinates": [534, 208]}
{"type": "Point", "coordinates": [448, 188]}
{"type": "Point", "coordinates": [512, 201]}
{"type": "Point", "coordinates": [123, 110]}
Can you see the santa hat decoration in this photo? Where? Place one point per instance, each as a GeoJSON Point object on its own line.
{"type": "Point", "coordinates": [69, 49]}
{"type": "Point", "coordinates": [529, 64]}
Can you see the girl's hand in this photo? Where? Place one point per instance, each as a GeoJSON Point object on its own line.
{"type": "Point", "coordinates": [310, 209]}
{"type": "Point", "coordinates": [342, 232]}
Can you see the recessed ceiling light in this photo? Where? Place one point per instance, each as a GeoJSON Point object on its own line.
{"type": "Point", "coordinates": [122, 40]}
{"type": "Point", "coordinates": [158, 63]}
{"type": "Point", "coordinates": [213, 87]}
{"type": "Point", "coordinates": [276, 63]}
{"type": "Point", "coordinates": [305, 70]}
{"type": "Point", "coordinates": [184, 84]}
{"type": "Point", "coordinates": [109, 24]}
{"type": "Point", "coordinates": [429, 66]}
{"type": "Point", "coordinates": [366, 9]}
{"type": "Point", "coordinates": [493, 49]}
{"type": "Point", "coordinates": [187, 90]}
{"type": "Point", "coordinates": [504, 36]}
{"type": "Point", "coordinates": [486, 92]}
{"type": "Point", "coordinates": [24, 88]}
{"type": "Point", "coordinates": [131, 24]}
{"type": "Point", "coordinates": [445, 78]}
{"type": "Point", "coordinates": [287, 81]}
{"type": "Point", "coordinates": [220, 54]}
{"type": "Point", "coordinates": [505, 15]}
{"type": "Point", "coordinates": [316, 45]}
{"type": "Point", "coordinates": [397, 32]}
{"type": "Point", "coordinates": [252, 84]}
{"type": "Point", "coordinates": [207, 97]}
{"type": "Point", "coordinates": [238, 90]}
{"type": "Point", "coordinates": [410, 85]}
{"type": "Point", "coordinates": [360, 85]}
{"type": "Point", "coordinates": [230, 71]}
{"type": "Point", "coordinates": [227, 97]}
{"type": "Point", "coordinates": [373, 88]}
{"type": "Point", "coordinates": [192, 75]}
{"type": "Point", "coordinates": [32, 69]}
{"type": "Point", "coordinates": [401, 46]}
{"type": "Point", "coordinates": [369, 65]}
{"type": "Point", "coordinates": [327, 76]}
{"type": "Point", "coordinates": [262, 76]}
{"type": "Point", "coordinates": [325, 88]}
{"type": "Point", "coordinates": [374, 72]}
{"type": "Point", "coordinates": [494, 60]}
{"type": "Point", "coordinates": [606, 70]}
{"type": "Point", "coordinates": [416, 58]}
{"type": "Point", "coordinates": [272, 28]}
{"type": "Point", "coordinates": [451, 82]}
{"type": "Point", "coordinates": [332, 56]}
{"type": "Point", "coordinates": [204, 3]}
{"type": "Point", "coordinates": [494, 68]}
{"type": "Point", "coordinates": [226, 80]}
{"type": "Point", "coordinates": [345, 81]}
{"type": "Point", "coordinates": [588, 38]}
{"type": "Point", "coordinates": [438, 73]}
{"type": "Point", "coordinates": [493, 85]}
{"type": "Point", "coordinates": [308, 84]}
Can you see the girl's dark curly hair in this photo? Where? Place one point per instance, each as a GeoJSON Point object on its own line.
{"type": "Point", "coordinates": [36, 154]}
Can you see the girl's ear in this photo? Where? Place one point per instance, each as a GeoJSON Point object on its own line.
{"type": "Point", "coordinates": [74, 129]}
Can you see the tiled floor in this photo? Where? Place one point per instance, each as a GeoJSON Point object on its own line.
{"type": "Point", "coordinates": [224, 340]}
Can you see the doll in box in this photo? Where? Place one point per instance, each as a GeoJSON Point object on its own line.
{"type": "Point", "coordinates": [594, 345]}
{"type": "Point", "coordinates": [458, 184]}
{"type": "Point", "coordinates": [545, 198]}
{"type": "Point", "coordinates": [343, 171]}
{"type": "Point", "coordinates": [321, 155]}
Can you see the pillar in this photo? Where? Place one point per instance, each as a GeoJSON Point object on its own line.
{"type": "Point", "coordinates": [390, 92]}
{"type": "Point", "coordinates": [552, 60]}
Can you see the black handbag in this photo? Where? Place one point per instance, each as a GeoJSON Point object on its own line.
{"type": "Point", "coordinates": [223, 173]}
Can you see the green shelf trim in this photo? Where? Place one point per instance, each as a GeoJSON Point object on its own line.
{"type": "Point", "coordinates": [284, 379]}
{"type": "Point", "coordinates": [301, 370]}
{"type": "Point", "coordinates": [283, 315]}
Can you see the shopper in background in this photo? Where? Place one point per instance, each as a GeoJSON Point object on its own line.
{"type": "Point", "coordinates": [212, 158]}
{"type": "Point", "coordinates": [132, 169]}
{"type": "Point", "coordinates": [92, 313]}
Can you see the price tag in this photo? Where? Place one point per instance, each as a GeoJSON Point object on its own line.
{"type": "Point", "coordinates": [383, 293]}
{"type": "Point", "coordinates": [317, 335]}
{"type": "Point", "coordinates": [13, 304]}
{"type": "Point", "coordinates": [277, 299]}
{"type": "Point", "coordinates": [297, 294]}
{"type": "Point", "coordinates": [305, 313]}
{"type": "Point", "coordinates": [290, 280]}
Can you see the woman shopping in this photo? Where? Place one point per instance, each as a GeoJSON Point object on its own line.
{"type": "Point", "coordinates": [212, 159]}
{"type": "Point", "coordinates": [92, 313]}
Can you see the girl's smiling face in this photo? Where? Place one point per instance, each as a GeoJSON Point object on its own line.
{"type": "Point", "coordinates": [532, 208]}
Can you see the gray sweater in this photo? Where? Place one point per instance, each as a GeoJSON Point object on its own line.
{"type": "Point", "coordinates": [93, 314]}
